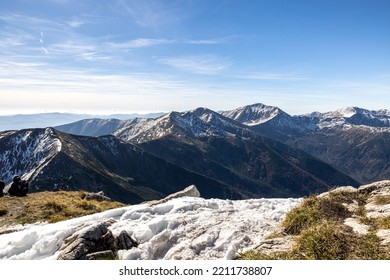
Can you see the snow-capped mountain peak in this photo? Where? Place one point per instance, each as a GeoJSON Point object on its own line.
{"type": "Point", "coordinates": [195, 123]}
{"type": "Point", "coordinates": [355, 117]}
{"type": "Point", "coordinates": [254, 114]}
{"type": "Point", "coordinates": [345, 112]}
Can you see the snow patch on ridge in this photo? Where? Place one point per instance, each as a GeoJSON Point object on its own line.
{"type": "Point", "coordinates": [27, 151]}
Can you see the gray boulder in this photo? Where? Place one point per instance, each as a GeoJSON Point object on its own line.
{"type": "Point", "coordinates": [95, 242]}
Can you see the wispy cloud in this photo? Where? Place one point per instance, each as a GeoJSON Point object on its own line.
{"type": "Point", "coordinates": [71, 48]}
{"type": "Point", "coordinates": [271, 76]}
{"type": "Point", "coordinates": [200, 64]}
{"type": "Point", "coordinates": [210, 41]}
{"type": "Point", "coordinates": [95, 56]}
{"type": "Point", "coordinates": [139, 43]}
{"type": "Point", "coordinates": [42, 87]}
{"type": "Point", "coordinates": [152, 13]}
{"type": "Point", "coordinates": [12, 42]}
{"type": "Point", "coordinates": [41, 38]}
{"type": "Point", "coordinates": [75, 22]}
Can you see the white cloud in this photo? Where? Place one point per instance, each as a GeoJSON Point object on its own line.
{"type": "Point", "coordinates": [271, 76]}
{"type": "Point", "coordinates": [152, 13]}
{"type": "Point", "coordinates": [76, 23]}
{"type": "Point", "coordinates": [201, 64]}
{"type": "Point", "coordinates": [210, 41]}
{"type": "Point", "coordinates": [139, 43]}
{"type": "Point", "coordinates": [44, 50]}
{"type": "Point", "coordinates": [94, 56]}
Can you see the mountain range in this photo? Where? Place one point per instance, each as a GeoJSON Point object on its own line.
{"type": "Point", "coordinates": [250, 152]}
{"type": "Point", "coordinates": [43, 120]}
{"type": "Point", "coordinates": [53, 160]}
{"type": "Point", "coordinates": [354, 140]}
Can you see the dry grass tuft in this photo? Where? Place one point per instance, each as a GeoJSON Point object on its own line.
{"type": "Point", "coordinates": [321, 234]}
{"type": "Point", "coordinates": [382, 199]}
{"type": "Point", "coordinates": [50, 207]}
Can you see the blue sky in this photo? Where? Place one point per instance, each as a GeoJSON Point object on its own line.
{"type": "Point", "coordinates": [125, 56]}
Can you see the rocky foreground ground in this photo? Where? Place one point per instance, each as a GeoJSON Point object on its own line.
{"type": "Point", "coordinates": [344, 223]}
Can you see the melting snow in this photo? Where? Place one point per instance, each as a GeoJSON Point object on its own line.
{"type": "Point", "coordinates": [182, 228]}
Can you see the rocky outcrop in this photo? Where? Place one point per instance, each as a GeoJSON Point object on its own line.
{"type": "Point", "coordinates": [191, 191]}
{"type": "Point", "coordinates": [95, 242]}
{"type": "Point", "coordinates": [367, 214]}
{"type": "Point", "coordinates": [99, 196]}
{"type": "Point", "coordinates": [276, 245]}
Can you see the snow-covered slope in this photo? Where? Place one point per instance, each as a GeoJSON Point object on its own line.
{"type": "Point", "coordinates": [254, 114]}
{"type": "Point", "coordinates": [181, 228]}
{"type": "Point", "coordinates": [26, 152]}
{"type": "Point", "coordinates": [353, 139]}
{"type": "Point", "coordinates": [357, 118]}
{"type": "Point", "coordinates": [195, 123]}
{"type": "Point", "coordinates": [260, 116]}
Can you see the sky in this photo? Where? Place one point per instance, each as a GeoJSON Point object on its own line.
{"type": "Point", "coordinates": [141, 56]}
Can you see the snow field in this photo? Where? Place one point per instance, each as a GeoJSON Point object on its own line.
{"type": "Point", "coordinates": [182, 228]}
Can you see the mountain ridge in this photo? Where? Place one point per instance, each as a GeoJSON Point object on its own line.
{"type": "Point", "coordinates": [351, 139]}
{"type": "Point", "coordinates": [123, 171]}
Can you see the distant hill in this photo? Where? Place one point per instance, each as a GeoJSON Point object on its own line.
{"type": "Point", "coordinates": [92, 127]}
{"type": "Point", "coordinates": [23, 121]}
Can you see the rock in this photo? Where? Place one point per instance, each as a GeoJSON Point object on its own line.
{"type": "Point", "coordinates": [352, 207]}
{"type": "Point", "coordinates": [276, 245]}
{"type": "Point", "coordinates": [357, 227]}
{"type": "Point", "coordinates": [103, 255]}
{"type": "Point", "coordinates": [377, 191]}
{"type": "Point", "coordinates": [191, 191]}
{"type": "Point", "coordinates": [83, 242]}
{"type": "Point", "coordinates": [384, 235]}
{"type": "Point", "coordinates": [377, 211]}
{"type": "Point", "coordinates": [124, 241]}
{"type": "Point", "coordinates": [339, 189]}
{"type": "Point", "coordinates": [374, 186]}
{"type": "Point", "coordinates": [95, 242]}
{"type": "Point", "coordinates": [97, 196]}
{"type": "Point", "coordinates": [375, 198]}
